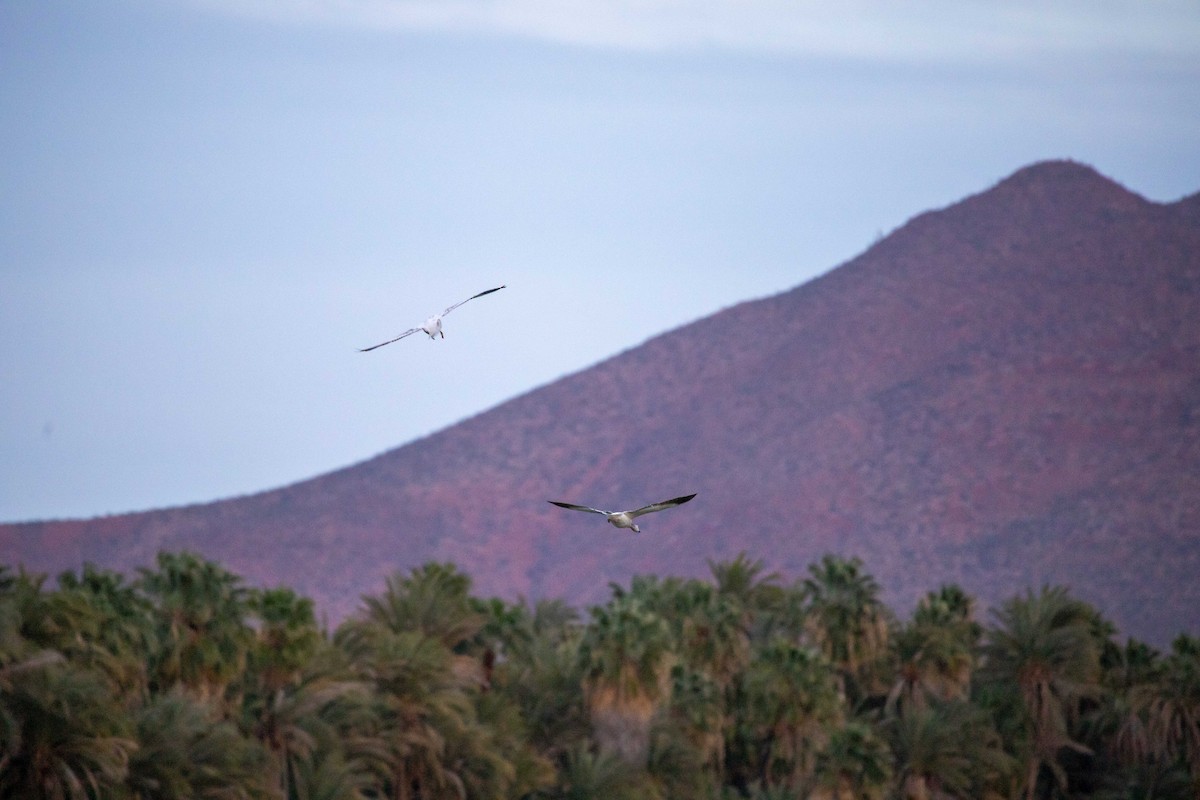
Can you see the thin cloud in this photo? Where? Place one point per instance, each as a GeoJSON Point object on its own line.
{"type": "Point", "coordinates": [954, 30]}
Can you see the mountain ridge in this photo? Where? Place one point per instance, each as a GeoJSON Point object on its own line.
{"type": "Point", "coordinates": [971, 399]}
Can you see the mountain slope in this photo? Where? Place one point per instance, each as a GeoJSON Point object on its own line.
{"type": "Point", "coordinates": [1001, 393]}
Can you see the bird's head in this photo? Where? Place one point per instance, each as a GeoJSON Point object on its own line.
{"type": "Point", "coordinates": [635, 528]}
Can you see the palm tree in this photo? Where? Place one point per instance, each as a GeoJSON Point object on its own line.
{"type": "Point", "coordinates": [331, 775]}
{"type": "Point", "coordinates": [588, 774]}
{"type": "Point", "coordinates": [405, 643]}
{"type": "Point", "coordinates": [1043, 655]}
{"type": "Point", "coordinates": [352, 746]}
{"type": "Point", "coordinates": [123, 634]}
{"type": "Point", "coordinates": [1170, 708]}
{"type": "Point", "coordinates": [714, 634]}
{"type": "Point", "coordinates": [21, 604]}
{"type": "Point", "coordinates": [506, 633]}
{"type": "Point", "coordinates": [855, 763]}
{"type": "Point", "coordinates": [34, 620]}
{"type": "Point", "coordinates": [543, 677]}
{"type": "Point", "coordinates": [430, 650]}
{"type": "Point", "coordinates": [434, 600]}
{"type": "Point", "coordinates": [185, 750]}
{"type": "Point", "coordinates": [65, 737]}
{"type": "Point", "coordinates": [285, 639]}
{"type": "Point", "coordinates": [554, 620]}
{"type": "Point", "coordinates": [203, 631]}
{"type": "Point", "coordinates": [499, 759]}
{"type": "Point", "coordinates": [936, 651]}
{"type": "Point", "coordinates": [947, 749]}
{"type": "Point", "coordinates": [1113, 729]}
{"type": "Point", "coordinates": [444, 666]}
{"type": "Point", "coordinates": [291, 725]}
{"type": "Point", "coordinates": [788, 701]}
{"type": "Point", "coordinates": [417, 696]}
{"type": "Point", "coordinates": [674, 764]}
{"type": "Point", "coordinates": [713, 646]}
{"type": "Point", "coordinates": [699, 714]}
{"type": "Point", "coordinates": [744, 581]}
{"type": "Point", "coordinates": [300, 691]}
{"type": "Point", "coordinates": [848, 622]}
{"type": "Point", "coordinates": [626, 657]}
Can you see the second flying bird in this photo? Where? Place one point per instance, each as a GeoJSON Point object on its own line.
{"type": "Point", "coordinates": [433, 325]}
{"type": "Point", "coordinates": [624, 519]}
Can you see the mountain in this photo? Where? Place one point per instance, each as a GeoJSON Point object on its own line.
{"type": "Point", "coordinates": [1002, 393]}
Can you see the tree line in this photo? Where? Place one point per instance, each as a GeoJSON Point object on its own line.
{"type": "Point", "coordinates": [184, 682]}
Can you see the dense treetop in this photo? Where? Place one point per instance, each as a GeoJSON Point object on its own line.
{"type": "Point", "coordinates": [185, 682]}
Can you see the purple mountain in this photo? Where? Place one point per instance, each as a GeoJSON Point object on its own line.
{"type": "Point", "coordinates": [1002, 393]}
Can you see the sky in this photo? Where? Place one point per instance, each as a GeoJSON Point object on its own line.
{"type": "Point", "coordinates": [207, 207]}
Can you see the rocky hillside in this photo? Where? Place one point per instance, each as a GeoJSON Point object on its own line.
{"type": "Point", "coordinates": [1001, 393]}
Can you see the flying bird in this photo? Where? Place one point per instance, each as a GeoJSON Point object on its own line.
{"type": "Point", "coordinates": [433, 325]}
{"type": "Point", "coordinates": [624, 519]}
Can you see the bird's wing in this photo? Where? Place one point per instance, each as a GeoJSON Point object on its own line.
{"type": "Point", "coordinates": [678, 501]}
{"type": "Point", "coordinates": [578, 508]}
{"type": "Point", "coordinates": [472, 297]}
{"type": "Point", "coordinates": [408, 332]}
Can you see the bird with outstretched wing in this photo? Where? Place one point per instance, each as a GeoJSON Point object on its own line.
{"type": "Point", "coordinates": [625, 519]}
{"type": "Point", "coordinates": [433, 325]}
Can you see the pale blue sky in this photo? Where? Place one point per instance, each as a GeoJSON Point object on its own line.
{"type": "Point", "coordinates": [207, 207]}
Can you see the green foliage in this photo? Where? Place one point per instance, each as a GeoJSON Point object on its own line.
{"type": "Point", "coordinates": [845, 618]}
{"type": "Point", "coordinates": [64, 736]}
{"type": "Point", "coordinates": [856, 761]}
{"type": "Point", "coordinates": [788, 703]}
{"type": "Point", "coordinates": [935, 653]}
{"type": "Point", "coordinates": [1043, 657]}
{"type": "Point", "coordinates": [186, 683]}
{"type": "Point", "coordinates": [202, 625]}
{"type": "Point", "coordinates": [185, 749]}
{"type": "Point", "coordinates": [950, 747]}
{"type": "Point", "coordinates": [626, 655]}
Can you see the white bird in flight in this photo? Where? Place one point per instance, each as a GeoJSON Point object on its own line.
{"type": "Point", "coordinates": [433, 325]}
{"type": "Point", "coordinates": [624, 519]}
